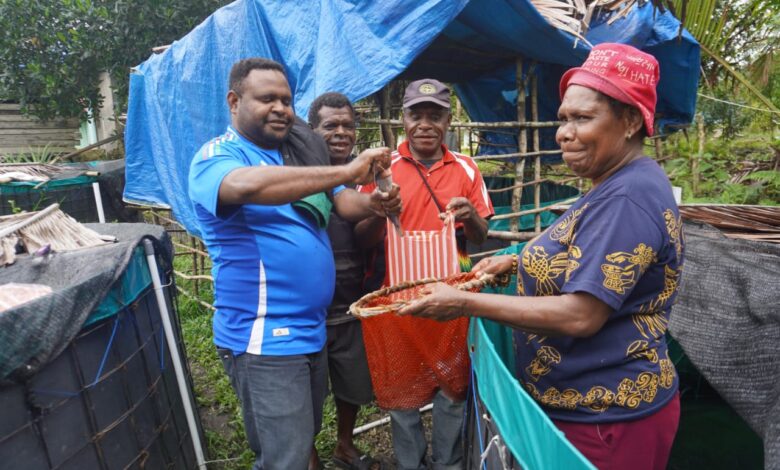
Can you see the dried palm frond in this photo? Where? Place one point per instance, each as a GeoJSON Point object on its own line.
{"type": "Point", "coordinates": [760, 223]}
{"type": "Point", "coordinates": [50, 227]}
{"type": "Point", "coordinates": [574, 16]}
{"type": "Point", "coordinates": [28, 172]}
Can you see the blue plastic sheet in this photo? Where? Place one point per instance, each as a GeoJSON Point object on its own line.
{"type": "Point", "coordinates": [177, 99]}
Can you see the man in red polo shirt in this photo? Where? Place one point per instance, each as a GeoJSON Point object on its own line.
{"type": "Point", "coordinates": [433, 180]}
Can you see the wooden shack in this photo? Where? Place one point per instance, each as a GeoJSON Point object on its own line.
{"type": "Point", "coordinates": [21, 134]}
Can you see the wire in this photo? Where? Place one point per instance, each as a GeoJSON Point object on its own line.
{"type": "Point", "coordinates": [738, 104]}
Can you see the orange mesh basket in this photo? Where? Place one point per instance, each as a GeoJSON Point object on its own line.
{"type": "Point", "coordinates": [410, 358]}
{"type": "Point", "coordinates": [393, 298]}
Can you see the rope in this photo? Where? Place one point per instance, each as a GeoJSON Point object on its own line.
{"type": "Point", "coordinates": [731, 103]}
{"type": "Point", "coordinates": [496, 440]}
{"type": "Point", "coordinates": [476, 413]}
{"type": "Point", "coordinates": [66, 393]}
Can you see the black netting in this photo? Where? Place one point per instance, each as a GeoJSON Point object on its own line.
{"type": "Point", "coordinates": [101, 396]}
{"type": "Point", "coordinates": [727, 320]}
{"type": "Point", "coordinates": [74, 193]}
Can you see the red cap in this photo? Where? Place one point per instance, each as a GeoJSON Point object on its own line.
{"type": "Point", "coordinates": [622, 72]}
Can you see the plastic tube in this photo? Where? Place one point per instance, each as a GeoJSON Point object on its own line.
{"type": "Point", "coordinates": [178, 366]}
{"type": "Point", "coordinates": [99, 202]}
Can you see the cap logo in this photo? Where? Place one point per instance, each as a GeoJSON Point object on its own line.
{"type": "Point", "coordinates": [427, 89]}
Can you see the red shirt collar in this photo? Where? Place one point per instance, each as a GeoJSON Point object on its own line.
{"type": "Point", "coordinates": [404, 151]}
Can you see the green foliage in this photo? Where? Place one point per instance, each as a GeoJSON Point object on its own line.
{"type": "Point", "coordinates": [33, 155]}
{"type": "Point", "coordinates": [51, 51]}
{"type": "Point", "coordinates": [740, 171]}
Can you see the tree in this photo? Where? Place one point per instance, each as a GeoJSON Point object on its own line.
{"type": "Point", "coordinates": [51, 51]}
{"type": "Point", "coordinates": [734, 36]}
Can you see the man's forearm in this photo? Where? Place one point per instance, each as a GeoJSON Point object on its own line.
{"type": "Point", "coordinates": [352, 205]}
{"type": "Point", "coordinates": [274, 185]}
{"type": "Point", "coordinates": [370, 232]}
{"type": "Point", "coordinates": [476, 229]}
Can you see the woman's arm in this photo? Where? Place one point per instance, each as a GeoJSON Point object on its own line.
{"type": "Point", "coordinates": [579, 314]}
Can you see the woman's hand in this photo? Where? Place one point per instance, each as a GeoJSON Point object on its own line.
{"type": "Point", "coordinates": [493, 265]}
{"type": "Point", "coordinates": [439, 302]}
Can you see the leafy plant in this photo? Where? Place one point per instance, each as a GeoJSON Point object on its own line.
{"type": "Point", "coordinates": [740, 171]}
{"type": "Point", "coordinates": [43, 154]}
{"type": "Point", "coordinates": [51, 52]}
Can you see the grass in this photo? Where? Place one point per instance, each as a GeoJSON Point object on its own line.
{"type": "Point", "coordinates": [219, 408]}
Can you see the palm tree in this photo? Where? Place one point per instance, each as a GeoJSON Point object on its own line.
{"type": "Point", "coordinates": [732, 34]}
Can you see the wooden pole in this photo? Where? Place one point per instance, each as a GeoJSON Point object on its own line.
{"type": "Point", "coordinates": [522, 147]}
{"type": "Point", "coordinates": [479, 125]}
{"type": "Point", "coordinates": [195, 270]}
{"type": "Point", "coordinates": [105, 141]}
{"type": "Point", "coordinates": [458, 130]}
{"type": "Point", "coordinates": [383, 101]}
{"type": "Point", "coordinates": [510, 236]}
{"type": "Point", "coordinates": [517, 154]}
{"type": "Point", "coordinates": [659, 151]}
{"type": "Point", "coordinates": [538, 158]}
{"type": "Point", "coordinates": [696, 157]}
{"type": "Point", "coordinates": [471, 143]}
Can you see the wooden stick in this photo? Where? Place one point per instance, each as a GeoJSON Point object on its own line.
{"type": "Point", "coordinates": [479, 125]}
{"type": "Point", "coordinates": [97, 144]}
{"type": "Point", "coordinates": [511, 236]}
{"type": "Point", "coordinates": [34, 217]}
{"type": "Point", "coordinates": [530, 211]}
{"type": "Point", "coordinates": [189, 294]}
{"type": "Point", "coordinates": [531, 183]}
{"type": "Point", "coordinates": [538, 161]}
{"type": "Point", "coordinates": [537, 154]}
{"type": "Point", "coordinates": [522, 145]}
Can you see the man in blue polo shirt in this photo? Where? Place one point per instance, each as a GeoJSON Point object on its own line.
{"type": "Point", "coordinates": [262, 193]}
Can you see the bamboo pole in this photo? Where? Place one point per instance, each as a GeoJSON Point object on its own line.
{"type": "Point", "coordinates": [522, 147]}
{"type": "Point", "coordinates": [537, 160]}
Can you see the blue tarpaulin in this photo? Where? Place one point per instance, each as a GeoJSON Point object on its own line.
{"type": "Point", "coordinates": [177, 98]}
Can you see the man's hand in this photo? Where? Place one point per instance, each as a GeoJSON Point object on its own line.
{"type": "Point", "coordinates": [386, 203]}
{"type": "Point", "coordinates": [362, 168]}
{"type": "Point", "coordinates": [474, 226]}
{"type": "Point", "coordinates": [461, 208]}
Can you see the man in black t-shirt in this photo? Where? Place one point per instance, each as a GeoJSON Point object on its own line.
{"type": "Point", "coordinates": [332, 116]}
